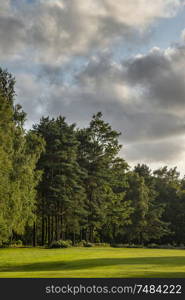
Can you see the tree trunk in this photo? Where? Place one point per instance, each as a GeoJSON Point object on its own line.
{"type": "Point", "coordinates": [74, 238]}
{"type": "Point", "coordinates": [92, 233]}
{"type": "Point", "coordinates": [52, 228]}
{"type": "Point", "coordinates": [56, 228]}
{"type": "Point", "coordinates": [43, 225]}
{"type": "Point", "coordinates": [81, 235]}
{"type": "Point", "coordinates": [49, 230]}
{"type": "Point", "coordinates": [34, 235]}
{"type": "Point", "coordinates": [43, 231]}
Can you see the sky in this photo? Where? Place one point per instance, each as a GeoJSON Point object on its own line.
{"type": "Point", "coordinates": [125, 58]}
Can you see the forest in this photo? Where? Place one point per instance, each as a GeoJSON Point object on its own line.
{"type": "Point", "coordinates": [62, 182]}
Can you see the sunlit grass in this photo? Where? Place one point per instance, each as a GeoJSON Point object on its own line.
{"type": "Point", "coordinates": [91, 262]}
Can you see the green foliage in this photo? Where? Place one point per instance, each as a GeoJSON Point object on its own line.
{"type": "Point", "coordinates": [61, 244]}
{"type": "Point", "coordinates": [98, 147]}
{"type": "Point", "coordinates": [61, 191]}
{"type": "Point", "coordinates": [127, 246]}
{"type": "Point", "coordinates": [101, 244]}
{"type": "Point", "coordinates": [153, 246]}
{"type": "Point", "coordinates": [18, 157]}
{"type": "Point", "coordinates": [88, 244]}
{"type": "Point", "coordinates": [17, 243]}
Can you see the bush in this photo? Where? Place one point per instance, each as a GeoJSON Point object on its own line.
{"type": "Point", "coordinates": [153, 245]}
{"type": "Point", "coordinates": [80, 244]}
{"type": "Point", "coordinates": [55, 244]}
{"type": "Point", "coordinates": [126, 246]}
{"type": "Point", "coordinates": [168, 246]}
{"type": "Point", "coordinates": [101, 244]}
{"type": "Point", "coordinates": [118, 245]}
{"type": "Point", "coordinates": [17, 243]}
{"type": "Point", "coordinates": [5, 245]}
{"type": "Point", "coordinates": [88, 244]}
{"type": "Point", "coordinates": [61, 244]}
{"type": "Point", "coordinates": [135, 246]}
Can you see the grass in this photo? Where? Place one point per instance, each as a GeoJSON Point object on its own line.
{"type": "Point", "coordinates": [91, 262]}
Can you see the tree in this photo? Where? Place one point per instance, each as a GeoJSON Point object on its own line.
{"type": "Point", "coordinates": [170, 194]}
{"type": "Point", "coordinates": [17, 163]}
{"type": "Point", "coordinates": [98, 148]}
{"type": "Point", "coordinates": [61, 191]}
{"type": "Point", "coordinates": [118, 210]}
{"type": "Point", "coordinates": [138, 194]}
{"type": "Point", "coordinates": [6, 153]}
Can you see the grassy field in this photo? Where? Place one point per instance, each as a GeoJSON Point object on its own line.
{"type": "Point", "coordinates": [91, 262]}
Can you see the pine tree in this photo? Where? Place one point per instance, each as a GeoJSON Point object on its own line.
{"type": "Point", "coordinates": [60, 190]}
{"type": "Point", "coordinates": [98, 148]}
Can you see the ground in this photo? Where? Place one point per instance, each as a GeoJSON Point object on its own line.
{"type": "Point", "coordinates": [91, 262]}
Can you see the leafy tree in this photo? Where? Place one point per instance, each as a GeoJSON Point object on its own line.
{"type": "Point", "coordinates": [17, 163]}
{"type": "Point", "coordinates": [156, 227]}
{"type": "Point", "coordinates": [170, 194]}
{"type": "Point", "coordinates": [138, 194]}
{"type": "Point", "coordinates": [119, 210]}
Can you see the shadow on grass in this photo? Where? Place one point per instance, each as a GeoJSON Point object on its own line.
{"type": "Point", "coordinates": [124, 263]}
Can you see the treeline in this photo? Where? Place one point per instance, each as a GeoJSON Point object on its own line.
{"type": "Point", "coordinates": [19, 153]}
{"type": "Point", "coordinates": [59, 182]}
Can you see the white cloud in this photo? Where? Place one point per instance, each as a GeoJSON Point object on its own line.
{"type": "Point", "coordinates": [56, 30]}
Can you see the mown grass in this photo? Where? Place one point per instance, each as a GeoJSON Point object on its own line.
{"type": "Point", "coordinates": [91, 262]}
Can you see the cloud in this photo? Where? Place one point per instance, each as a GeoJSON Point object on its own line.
{"type": "Point", "coordinates": [61, 51]}
{"type": "Point", "coordinates": [53, 31]}
{"type": "Point", "coordinates": [164, 152]}
{"type": "Point", "coordinates": [143, 97]}
{"type": "Point", "coordinates": [11, 36]}
{"type": "Point", "coordinates": [161, 76]}
{"type": "Point", "coordinates": [31, 93]}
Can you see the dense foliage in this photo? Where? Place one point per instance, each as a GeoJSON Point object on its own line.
{"type": "Point", "coordinates": [59, 182]}
{"type": "Point", "coordinates": [19, 152]}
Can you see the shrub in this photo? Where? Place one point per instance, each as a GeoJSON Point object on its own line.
{"type": "Point", "coordinates": [156, 246]}
{"type": "Point", "coordinates": [5, 245]}
{"type": "Point", "coordinates": [101, 244]}
{"type": "Point", "coordinates": [80, 244]}
{"type": "Point", "coordinates": [65, 244]}
{"type": "Point", "coordinates": [135, 246]}
{"type": "Point", "coordinates": [88, 244]}
{"type": "Point", "coordinates": [168, 246]}
{"type": "Point", "coordinates": [61, 244]}
{"type": "Point", "coordinates": [153, 245]}
{"type": "Point", "coordinates": [117, 245]}
{"type": "Point", "coordinates": [17, 243]}
{"type": "Point", "coordinates": [126, 246]}
{"type": "Point", "coordinates": [55, 244]}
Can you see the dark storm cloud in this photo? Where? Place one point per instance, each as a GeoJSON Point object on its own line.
{"type": "Point", "coordinates": [162, 76]}
{"type": "Point", "coordinates": [11, 35]}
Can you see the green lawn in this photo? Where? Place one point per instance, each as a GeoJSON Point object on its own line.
{"type": "Point", "coordinates": [91, 262]}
